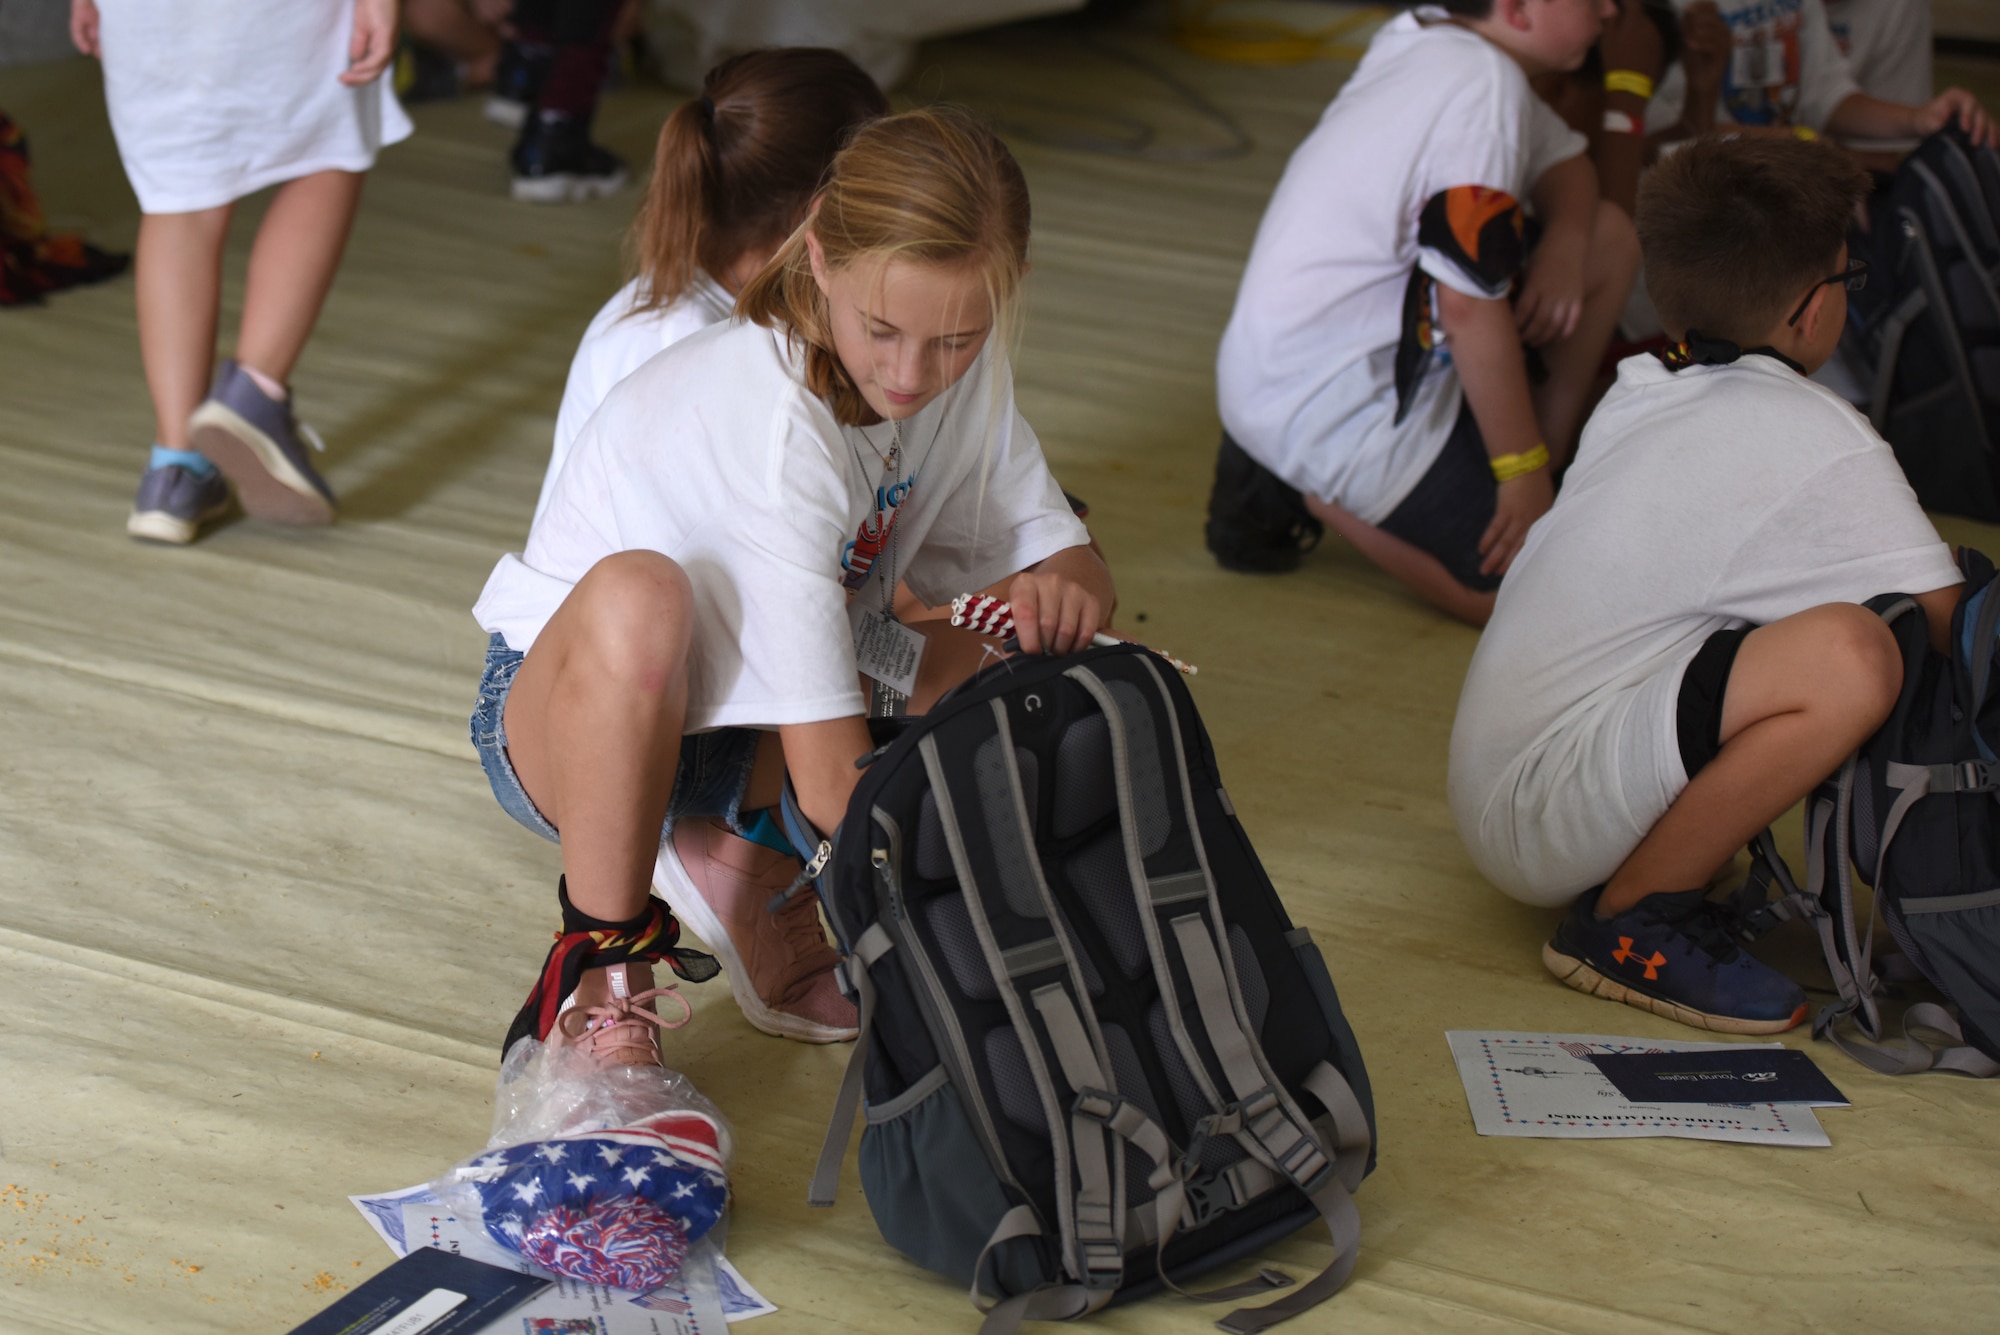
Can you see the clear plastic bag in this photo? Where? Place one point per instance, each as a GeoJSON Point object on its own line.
{"type": "Point", "coordinates": [606, 1174]}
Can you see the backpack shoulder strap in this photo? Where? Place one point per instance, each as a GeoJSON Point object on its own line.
{"type": "Point", "coordinates": [1187, 937]}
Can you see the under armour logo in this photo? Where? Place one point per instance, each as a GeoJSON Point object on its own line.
{"type": "Point", "coordinates": [1625, 954]}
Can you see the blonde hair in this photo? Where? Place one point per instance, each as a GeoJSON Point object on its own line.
{"type": "Point", "coordinates": [932, 185]}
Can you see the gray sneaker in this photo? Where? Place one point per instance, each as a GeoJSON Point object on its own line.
{"type": "Point", "coordinates": [263, 448]}
{"type": "Point", "coordinates": [173, 503]}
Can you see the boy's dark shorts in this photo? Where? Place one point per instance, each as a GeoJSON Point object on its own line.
{"type": "Point", "coordinates": [1698, 710]}
{"type": "Point", "coordinates": [1451, 506]}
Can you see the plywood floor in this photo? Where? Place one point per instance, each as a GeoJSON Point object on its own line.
{"type": "Point", "coordinates": [261, 923]}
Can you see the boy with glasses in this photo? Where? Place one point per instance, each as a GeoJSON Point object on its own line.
{"type": "Point", "coordinates": [1678, 655]}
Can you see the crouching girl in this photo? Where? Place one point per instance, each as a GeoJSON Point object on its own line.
{"type": "Point", "coordinates": [681, 631]}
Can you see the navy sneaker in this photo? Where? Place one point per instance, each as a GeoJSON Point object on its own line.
{"type": "Point", "coordinates": [174, 502]}
{"type": "Point", "coordinates": [1673, 955]}
{"type": "Point", "coordinates": [264, 449]}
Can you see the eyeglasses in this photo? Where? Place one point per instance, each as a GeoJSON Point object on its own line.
{"type": "Point", "coordinates": [1853, 278]}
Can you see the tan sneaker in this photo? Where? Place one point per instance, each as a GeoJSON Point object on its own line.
{"type": "Point", "coordinates": [611, 1015]}
{"type": "Point", "coordinates": [780, 965]}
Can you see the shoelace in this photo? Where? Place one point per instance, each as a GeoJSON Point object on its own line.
{"type": "Point", "coordinates": [312, 436]}
{"type": "Point", "coordinates": [1709, 925]}
{"type": "Point", "coordinates": [805, 942]}
{"type": "Point", "coordinates": [602, 1025]}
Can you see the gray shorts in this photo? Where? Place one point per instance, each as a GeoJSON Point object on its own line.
{"type": "Point", "coordinates": [714, 766]}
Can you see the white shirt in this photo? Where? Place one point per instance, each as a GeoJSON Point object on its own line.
{"type": "Point", "coordinates": [714, 453]}
{"type": "Point", "coordinates": [214, 101]}
{"type": "Point", "coordinates": [1306, 376]}
{"type": "Point", "coordinates": [619, 341]}
{"type": "Point", "coordinates": [1699, 500]}
{"type": "Point", "coordinates": [1785, 69]}
{"type": "Point", "coordinates": [1888, 47]}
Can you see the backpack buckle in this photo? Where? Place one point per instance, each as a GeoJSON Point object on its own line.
{"type": "Point", "coordinates": [1204, 1199]}
{"type": "Point", "coordinates": [1114, 1112]}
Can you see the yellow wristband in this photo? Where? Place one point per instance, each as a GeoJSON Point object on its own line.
{"type": "Point", "coordinates": [1507, 467]}
{"type": "Point", "coordinates": [1804, 132]}
{"type": "Point", "coordinates": [1628, 81]}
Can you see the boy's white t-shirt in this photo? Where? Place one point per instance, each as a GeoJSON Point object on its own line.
{"type": "Point", "coordinates": [1307, 373]}
{"type": "Point", "coordinates": [715, 454]}
{"type": "Point", "coordinates": [619, 341]}
{"type": "Point", "coordinates": [1888, 47]}
{"type": "Point", "coordinates": [1699, 500]}
{"type": "Point", "coordinates": [213, 101]}
{"type": "Point", "coordinates": [1785, 68]}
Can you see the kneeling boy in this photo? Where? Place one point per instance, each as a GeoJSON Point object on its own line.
{"type": "Point", "coordinates": [1374, 361]}
{"type": "Point", "coordinates": [1678, 655]}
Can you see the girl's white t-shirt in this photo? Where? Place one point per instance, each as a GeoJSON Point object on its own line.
{"type": "Point", "coordinates": [1306, 375]}
{"type": "Point", "coordinates": [619, 341]}
{"type": "Point", "coordinates": [715, 454]}
{"type": "Point", "coordinates": [213, 101]}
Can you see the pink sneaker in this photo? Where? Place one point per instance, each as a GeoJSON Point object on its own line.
{"type": "Point", "coordinates": [780, 965]}
{"type": "Point", "coordinates": [611, 1015]}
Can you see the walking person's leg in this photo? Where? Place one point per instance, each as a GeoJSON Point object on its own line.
{"type": "Point", "coordinates": [247, 424]}
{"type": "Point", "coordinates": [178, 291]}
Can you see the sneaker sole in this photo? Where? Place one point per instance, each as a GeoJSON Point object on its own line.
{"type": "Point", "coordinates": [160, 526]}
{"type": "Point", "coordinates": [505, 111]}
{"type": "Point", "coordinates": [270, 485]}
{"type": "Point", "coordinates": [566, 189]}
{"type": "Point", "coordinates": [671, 880]}
{"type": "Point", "coordinates": [1579, 975]}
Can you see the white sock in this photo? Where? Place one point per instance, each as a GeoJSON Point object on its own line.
{"type": "Point", "coordinates": [275, 391]}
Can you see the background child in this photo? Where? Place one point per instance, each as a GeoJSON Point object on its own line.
{"type": "Point", "coordinates": [680, 632]}
{"type": "Point", "coordinates": [211, 103]}
{"type": "Point", "coordinates": [1782, 70]}
{"type": "Point", "coordinates": [551, 74]}
{"type": "Point", "coordinates": [1374, 361]}
{"type": "Point", "coordinates": [1677, 656]}
{"type": "Point", "coordinates": [733, 174]}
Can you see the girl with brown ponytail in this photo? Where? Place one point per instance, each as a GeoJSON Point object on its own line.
{"type": "Point", "coordinates": [686, 626]}
{"type": "Point", "coordinates": [733, 173]}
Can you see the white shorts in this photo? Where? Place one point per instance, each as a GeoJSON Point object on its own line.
{"type": "Point", "coordinates": [211, 102]}
{"type": "Point", "coordinates": [1567, 812]}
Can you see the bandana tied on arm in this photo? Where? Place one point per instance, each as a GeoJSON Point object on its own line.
{"type": "Point", "coordinates": [1481, 235]}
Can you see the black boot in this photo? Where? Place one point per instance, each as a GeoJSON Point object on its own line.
{"type": "Point", "coordinates": [555, 162]}
{"type": "Point", "coordinates": [1256, 523]}
{"type": "Point", "coordinates": [523, 69]}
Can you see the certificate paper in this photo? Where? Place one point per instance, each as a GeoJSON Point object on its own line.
{"type": "Point", "coordinates": [1546, 1085]}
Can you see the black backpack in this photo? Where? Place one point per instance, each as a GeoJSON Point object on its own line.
{"type": "Point", "coordinates": [1916, 813]}
{"type": "Point", "coordinates": [1097, 1056]}
{"type": "Point", "coordinates": [1927, 326]}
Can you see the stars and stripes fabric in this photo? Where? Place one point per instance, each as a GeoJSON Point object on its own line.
{"type": "Point", "coordinates": [618, 1207]}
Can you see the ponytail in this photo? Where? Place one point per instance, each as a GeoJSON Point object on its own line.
{"type": "Point", "coordinates": [736, 167]}
{"type": "Point", "coordinates": [667, 234]}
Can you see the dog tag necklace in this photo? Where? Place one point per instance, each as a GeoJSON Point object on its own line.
{"type": "Point", "coordinates": [887, 651]}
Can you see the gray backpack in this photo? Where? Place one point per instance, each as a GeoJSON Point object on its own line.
{"type": "Point", "coordinates": [1927, 326]}
{"type": "Point", "coordinates": [1097, 1056]}
{"type": "Point", "coordinates": [1915, 812]}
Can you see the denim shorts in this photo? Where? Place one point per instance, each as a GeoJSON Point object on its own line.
{"type": "Point", "coordinates": [714, 767]}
